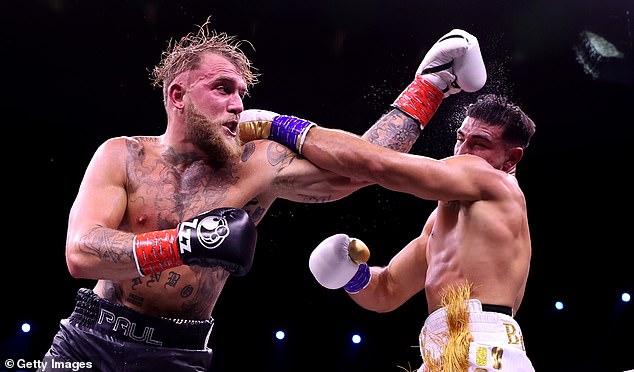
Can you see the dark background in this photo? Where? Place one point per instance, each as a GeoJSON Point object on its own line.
{"type": "Point", "coordinates": [77, 73]}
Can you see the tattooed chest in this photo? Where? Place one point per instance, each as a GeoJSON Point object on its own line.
{"type": "Point", "coordinates": [162, 198]}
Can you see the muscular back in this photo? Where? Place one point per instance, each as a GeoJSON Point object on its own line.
{"type": "Point", "coordinates": [486, 242]}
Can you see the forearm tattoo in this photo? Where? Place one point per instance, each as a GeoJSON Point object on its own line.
{"type": "Point", "coordinates": [394, 130]}
{"type": "Point", "coordinates": [107, 244]}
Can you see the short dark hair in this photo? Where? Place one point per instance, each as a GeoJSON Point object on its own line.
{"type": "Point", "coordinates": [498, 110]}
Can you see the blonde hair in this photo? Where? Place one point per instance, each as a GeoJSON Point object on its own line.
{"type": "Point", "coordinates": [186, 54]}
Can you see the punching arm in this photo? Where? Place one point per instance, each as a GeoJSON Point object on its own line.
{"type": "Point", "coordinates": [289, 131]}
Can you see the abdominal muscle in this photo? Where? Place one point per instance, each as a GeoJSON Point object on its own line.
{"type": "Point", "coordinates": [493, 281]}
{"type": "Point", "coordinates": [458, 251]}
{"type": "Point", "coordinates": [182, 292]}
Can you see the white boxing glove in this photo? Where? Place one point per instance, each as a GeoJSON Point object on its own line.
{"type": "Point", "coordinates": [255, 124]}
{"type": "Point", "coordinates": [257, 115]}
{"type": "Point", "coordinates": [290, 131]}
{"type": "Point", "coordinates": [454, 63]}
{"type": "Point", "coordinates": [340, 262]}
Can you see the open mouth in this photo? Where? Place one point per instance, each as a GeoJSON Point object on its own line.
{"type": "Point", "coordinates": [231, 126]}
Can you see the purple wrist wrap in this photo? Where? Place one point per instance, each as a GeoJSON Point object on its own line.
{"type": "Point", "coordinates": [290, 131]}
{"type": "Point", "coordinates": [360, 280]}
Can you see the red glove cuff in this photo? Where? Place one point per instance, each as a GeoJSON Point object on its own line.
{"type": "Point", "coordinates": [420, 100]}
{"type": "Point", "coordinates": [156, 251]}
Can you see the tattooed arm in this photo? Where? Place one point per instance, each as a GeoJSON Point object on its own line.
{"type": "Point", "coordinates": [296, 179]}
{"type": "Point", "coordinates": [94, 249]}
{"type": "Point", "coordinates": [394, 130]}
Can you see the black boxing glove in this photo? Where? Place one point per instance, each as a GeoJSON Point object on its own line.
{"type": "Point", "coordinates": [224, 237]}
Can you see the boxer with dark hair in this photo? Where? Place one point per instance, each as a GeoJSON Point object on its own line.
{"type": "Point", "coordinates": [161, 222]}
{"type": "Point", "coordinates": [473, 255]}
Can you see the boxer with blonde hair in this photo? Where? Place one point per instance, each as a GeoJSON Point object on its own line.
{"type": "Point", "coordinates": [161, 222]}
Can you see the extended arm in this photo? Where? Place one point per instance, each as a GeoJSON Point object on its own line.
{"type": "Point", "coordinates": [464, 177]}
{"type": "Point", "coordinates": [453, 64]}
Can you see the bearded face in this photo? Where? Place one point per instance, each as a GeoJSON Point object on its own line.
{"type": "Point", "coordinates": [210, 138]}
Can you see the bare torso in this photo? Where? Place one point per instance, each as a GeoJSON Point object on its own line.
{"type": "Point", "coordinates": [161, 192]}
{"type": "Point", "coordinates": [485, 242]}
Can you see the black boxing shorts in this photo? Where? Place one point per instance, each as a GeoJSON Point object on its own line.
{"type": "Point", "coordinates": [102, 336]}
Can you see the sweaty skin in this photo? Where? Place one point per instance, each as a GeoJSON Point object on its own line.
{"type": "Point", "coordinates": [140, 184]}
{"type": "Point", "coordinates": [478, 232]}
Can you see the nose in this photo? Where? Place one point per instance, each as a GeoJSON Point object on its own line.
{"type": "Point", "coordinates": [235, 104]}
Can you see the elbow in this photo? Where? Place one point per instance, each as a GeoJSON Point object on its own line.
{"type": "Point", "coordinates": [76, 272]}
{"type": "Point", "coordinates": [76, 263]}
{"type": "Point", "coordinates": [74, 267]}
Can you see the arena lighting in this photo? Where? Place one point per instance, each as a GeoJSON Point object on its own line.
{"type": "Point", "coordinates": [280, 335]}
{"type": "Point", "coordinates": [559, 305]}
{"type": "Point", "coordinates": [26, 327]}
{"type": "Point", "coordinates": [356, 339]}
{"type": "Point", "coordinates": [603, 60]}
{"type": "Point", "coordinates": [625, 297]}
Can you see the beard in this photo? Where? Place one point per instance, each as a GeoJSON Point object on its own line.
{"type": "Point", "coordinates": [209, 137]}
